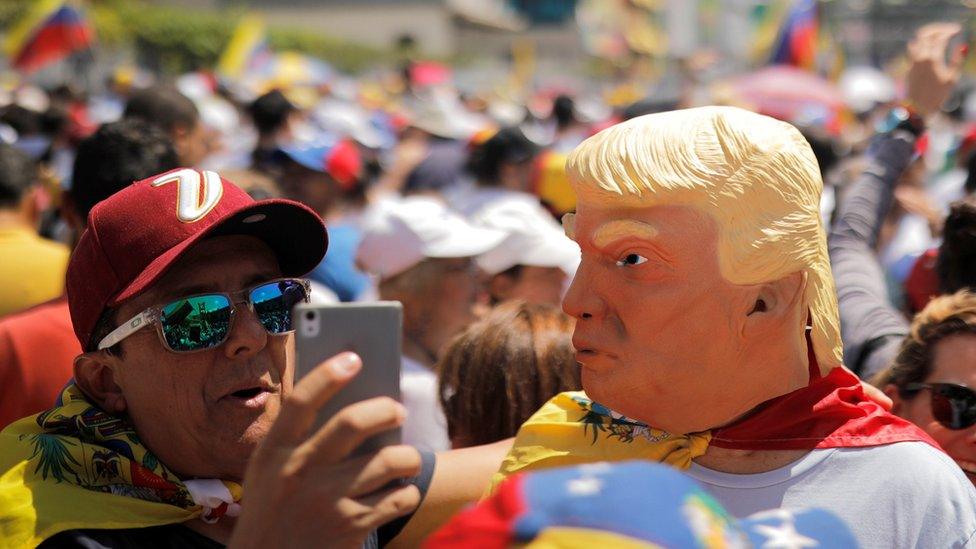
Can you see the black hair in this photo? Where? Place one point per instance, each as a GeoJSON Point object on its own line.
{"type": "Point", "coordinates": [270, 111]}
{"type": "Point", "coordinates": [564, 111]}
{"type": "Point", "coordinates": [115, 156]}
{"type": "Point", "coordinates": [164, 107]}
{"type": "Point", "coordinates": [648, 105]}
{"type": "Point", "coordinates": [55, 120]}
{"type": "Point", "coordinates": [23, 121]}
{"type": "Point", "coordinates": [956, 261]}
{"type": "Point", "coordinates": [509, 145]}
{"type": "Point", "coordinates": [17, 173]}
{"type": "Point", "coordinates": [824, 149]}
{"type": "Point", "coordinates": [104, 326]}
{"type": "Point", "coordinates": [970, 185]}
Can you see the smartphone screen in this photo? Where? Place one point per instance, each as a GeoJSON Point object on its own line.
{"type": "Point", "coordinates": [371, 330]}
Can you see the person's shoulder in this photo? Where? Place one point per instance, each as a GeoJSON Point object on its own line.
{"type": "Point", "coordinates": [42, 331]}
{"type": "Point", "coordinates": [907, 453]}
{"type": "Point", "coordinates": [50, 249]}
{"type": "Point", "coordinates": [921, 488]}
{"type": "Point", "coordinates": [907, 465]}
{"type": "Point", "coordinates": [54, 310]}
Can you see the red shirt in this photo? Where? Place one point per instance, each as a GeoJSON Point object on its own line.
{"type": "Point", "coordinates": [37, 350]}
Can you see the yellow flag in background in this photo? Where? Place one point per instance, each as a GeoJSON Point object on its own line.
{"type": "Point", "coordinates": [248, 42]}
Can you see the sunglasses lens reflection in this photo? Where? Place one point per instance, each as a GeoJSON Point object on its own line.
{"type": "Point", "coordinates": [273, 303]}
{"type": "Point", "coordinates": [195, 323]}
{"type": "Point", "coordinates": [954, 406]}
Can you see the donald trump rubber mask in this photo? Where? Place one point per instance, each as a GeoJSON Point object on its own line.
{"type": "Point", "coordinates": [704, 273]}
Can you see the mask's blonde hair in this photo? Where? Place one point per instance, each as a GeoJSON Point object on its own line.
{"type": "Point", "coordinates": [756, 176]}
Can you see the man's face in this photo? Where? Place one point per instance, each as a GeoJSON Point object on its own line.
{"type": "Point", "coordinates": [659, 331]}
{"type": "Point", "coordinates": [193, 144]}
{"type": "Point", "coordinates": [203, 413]}
{"type": "Point", "coordinates": [952, 362]}
{"type": "Point", "coordinates": [314, 189]}
{"type": "Point", "coordinates": [441, 301]}
{"type": "Point", "coordinates": [532, 285]}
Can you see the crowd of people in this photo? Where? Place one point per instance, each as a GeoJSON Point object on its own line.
{"type": "Point", "coordinates": [782, 311]}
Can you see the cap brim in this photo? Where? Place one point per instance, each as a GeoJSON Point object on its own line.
{"type": "Point", "coordinates": [293, 231]}
{"type": "Point", "coordinates": [308, 158]}
{"type": "Point", "coordinates": [470, 243]}
{"type": "Point", "coordinates": [555, 251]}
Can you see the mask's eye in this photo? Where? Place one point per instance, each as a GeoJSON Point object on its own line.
{"type": "Point", "coordinates": [631, 259]}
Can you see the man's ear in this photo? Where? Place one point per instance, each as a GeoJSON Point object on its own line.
{"type": "Point", "coordinates": [778, 298]}
{"type": "Point", "coordinates": [180, 134]}
{"type": "Point", "coordinates": [500, 287]}
{"type": "Point", "coordinates": [892, 392]}
{"type": "Point", "coordinates": [95, 374]}
{"type": "Point", "coordinates": [69, 211]}
{"type": "Point", "coordinates": [30, 207]}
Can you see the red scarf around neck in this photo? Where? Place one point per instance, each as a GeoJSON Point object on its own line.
{"type": "Point", "coordinates": [831, 412]}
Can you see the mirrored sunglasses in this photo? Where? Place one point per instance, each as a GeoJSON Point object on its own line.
{"type": "Point", "coordinates": [953, 406]}
{"type": "Point", "coordinates": [204, 321]}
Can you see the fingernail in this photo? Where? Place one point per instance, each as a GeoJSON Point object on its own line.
{"type": "Point", "coordinates": [347, 364]}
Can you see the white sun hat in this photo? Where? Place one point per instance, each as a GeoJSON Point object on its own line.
{"type": "Point", "coordinates": [533, 238]}
{"type": "Point", "coordinates": [400, 233]}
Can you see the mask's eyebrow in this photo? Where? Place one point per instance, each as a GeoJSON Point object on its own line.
{"type": "Point", "coordinates": [612, 231]}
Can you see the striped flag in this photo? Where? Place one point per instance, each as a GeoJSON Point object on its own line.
{"type": "Point", "coordinates": [51, 30]}
{"type": "Point", "coordinates": [796, 43]}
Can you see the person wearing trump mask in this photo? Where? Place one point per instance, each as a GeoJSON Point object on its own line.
{"type": "Point", "coordinates": [708, 336]}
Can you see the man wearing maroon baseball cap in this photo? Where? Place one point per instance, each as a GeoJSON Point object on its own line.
{"type": "Point", "coordinates": [180, 293]}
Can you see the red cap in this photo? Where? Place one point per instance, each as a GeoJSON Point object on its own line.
{"type": "Point", "coordinates": [134, 236]}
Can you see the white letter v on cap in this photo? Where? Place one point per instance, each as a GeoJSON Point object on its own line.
{"type": "Point", "coordinates": [189, 206]}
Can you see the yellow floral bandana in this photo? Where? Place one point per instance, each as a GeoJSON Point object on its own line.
{"type": "Point", "coordinates": [76, 466]}
{"type": "Point", "coordinates": [571, 429]}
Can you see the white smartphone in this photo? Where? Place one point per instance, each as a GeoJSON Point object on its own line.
{"type": "Point", "coordinates": [371, 330]}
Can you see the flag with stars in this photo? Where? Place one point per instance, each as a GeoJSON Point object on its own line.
{"type": "Point", "coordinates": [624, 505]}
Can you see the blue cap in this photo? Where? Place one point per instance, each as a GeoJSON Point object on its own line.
{"type": "Point", "coordinates": [311, 154]}
{"type": "Point", "coordinates": [330, 155]}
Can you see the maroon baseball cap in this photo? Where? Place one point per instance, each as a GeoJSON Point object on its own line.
{"type": "Point", "coordinates": [135, 235]}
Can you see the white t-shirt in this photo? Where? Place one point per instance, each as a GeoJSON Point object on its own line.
{"type": "Point", "coordinates": [906, 494]}
{"type": "Point", "coordinates": [425, 427]}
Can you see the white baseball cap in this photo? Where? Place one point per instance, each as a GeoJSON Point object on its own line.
{"type": "Point", "coordinates": [533, 238]}
{"type": "Point", "coordinates": [400, 233]}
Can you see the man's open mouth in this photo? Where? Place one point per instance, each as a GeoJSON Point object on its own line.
{"type": "Point", "coordinates": [247, 394]}
{"type": "Point", "coordinates": [251, 395]}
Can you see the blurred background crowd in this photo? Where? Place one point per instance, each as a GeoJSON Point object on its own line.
{"type": "Point", "coordinates": [431, 135]}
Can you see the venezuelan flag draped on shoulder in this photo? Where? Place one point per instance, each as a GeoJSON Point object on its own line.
{"type": "Point", "coordinates": [77, 466]}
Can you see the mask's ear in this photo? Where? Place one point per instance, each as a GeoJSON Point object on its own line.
{"type": "Point", "coordinates": [569, 225]}
{"type": "Point", "coordinates": [778, 299]}
{"type": "Point", "coordinates": [95, 374]}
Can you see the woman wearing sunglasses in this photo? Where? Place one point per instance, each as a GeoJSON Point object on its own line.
{"type": "Point", "coordinates": [932, 377]}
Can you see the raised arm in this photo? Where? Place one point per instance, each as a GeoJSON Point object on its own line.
{"type": "Point", "coordinates": [872, 329]}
